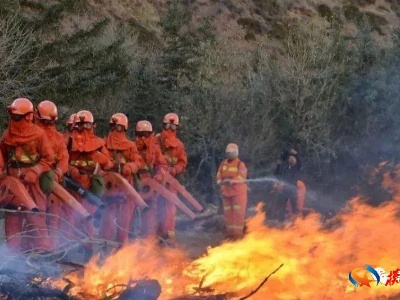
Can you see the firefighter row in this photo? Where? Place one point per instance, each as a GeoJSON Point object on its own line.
{"type": "Point", "coordinates": [53, 184]}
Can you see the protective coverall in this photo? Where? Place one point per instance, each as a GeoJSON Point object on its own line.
{"type": "Point", "coordinates": [28, 154]}
{"type": "Point", "coordinates": [55, 207]}
{"type": "Point", "coordinates": [87, 155]}
{"type": "Point", "coordinates": [126, 161]}
{"type": "Point", "coordinates": [155, 165]}
{"type": "Point", "coordinates": [175, 154]}
{"type": "Point", "coordinates": [234, 195]}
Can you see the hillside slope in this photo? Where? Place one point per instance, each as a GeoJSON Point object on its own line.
{"type": "Point", "coordinates": [236, 21]}
{"type": "Point", "coordinates": [247, 20]}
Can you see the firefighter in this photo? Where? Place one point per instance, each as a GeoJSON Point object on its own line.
{"type": "Point", "coordinates": [290, 189]}
{"type": "Point", "coordinates": [231, 176]}
{"type": "Point", "coordinates": [28, 155]}
{"type": "Point", "coordinates": [154, 166]}
{"type": "Point", "coordinates": [46, 118]}
{"type": "Point", "coordinates": [87, 156]}
{"type": "Point", "coordinates": [175, 154]}
{"type": "Point", "coordinates": [126, 161]}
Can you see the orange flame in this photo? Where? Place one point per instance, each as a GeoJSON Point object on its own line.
{"type": "Point", "coordinates": [317, 259]}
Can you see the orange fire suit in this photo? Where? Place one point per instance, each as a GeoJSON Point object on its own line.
{"type": "Point", "coordinates": [126, 161]}
{"type": "Point", "coordinates": [87, 155]}
{"type": "Point", "coordinates": [175, 154]}
{"type": "Point", "coordinates": [301, 198]}
{"type": "Point", "coordinates": [234, 195]}
{"type": "Point", "coordinates": [55, 207]}
{"type": "Point", "coordinates": [27, 153]}
{"type": "Point", "coordinates": [154, 165]}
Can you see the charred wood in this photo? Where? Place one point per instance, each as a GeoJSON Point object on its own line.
{"type": "Point", "coordinates": [19, 290]}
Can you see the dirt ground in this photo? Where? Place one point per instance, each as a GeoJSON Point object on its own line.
{"type": "Point", "coordinates": [195, 237]}
{"type": "Point", "coordinates": [196, 243]}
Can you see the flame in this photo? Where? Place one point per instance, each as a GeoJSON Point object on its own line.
{"type": "Point", "coordinates": [316, 256]}
{"type": "Point", "coordinates": [136, 261]}
{"type": "Point", "coordinates": [316, 260]}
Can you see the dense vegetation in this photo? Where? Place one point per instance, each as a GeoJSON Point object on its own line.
{"type": "Point", "coordinates": [334, 96]}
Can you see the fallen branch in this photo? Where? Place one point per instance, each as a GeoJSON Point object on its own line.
{"type": "Point", "coordinates": [69, 286]}
{"type": "Point", "coordinates": [262, 283]}
{"type": "Point", "coordinates": [200, 289]}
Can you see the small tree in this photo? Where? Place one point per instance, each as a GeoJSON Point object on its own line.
{"type": "Point", "coordinates": [20, 68]}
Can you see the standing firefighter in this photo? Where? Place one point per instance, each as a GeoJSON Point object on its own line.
{"type": "Point", "coordinates": [231, 176]}
{"type": "Point", "coordinates": [28, 155]}
{"type": "Point", "coordinates": [291, 189]}
{"type": "Point", "coordinates": [175, 154]}
{"type": "Point", "coordinates": [155, 166]}
{"type": "Point", "coordinates": [127, 161]}
{"type": "Point", "coordinates": [87, 155]}
{"type": "Point", "coordinates": [46, 117]}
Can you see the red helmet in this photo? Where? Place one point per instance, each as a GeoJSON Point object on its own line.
{"type": "Point", "coordinates": [119, 119]}
{"type": "Point", "coordinates": [47, 110]}
{"type": "Point", "coordinates": [20, 106]}
{"type": "Point", "coordinates": [144, 126]}
{"type": "Point", "coordinates": [71, 119]}
{"type": "Point", "coordinates": [171, 118]}
{"type": "Point", "coordinates": [84, 116]}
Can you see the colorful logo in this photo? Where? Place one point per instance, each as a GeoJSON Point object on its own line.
{"type": "Point", "coordinates": [364, 276]}
{"type": "Point", "coordinates": [363, 280]}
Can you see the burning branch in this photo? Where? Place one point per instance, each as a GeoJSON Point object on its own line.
{"type": "Point", "coordinates": [116, 293]}
{"type": "Point", "coordinates": [200, 289]}
{"type": "Point", "coordinates": [69, 286]}
{"type": "Point", "coordinates": [262, 283]}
